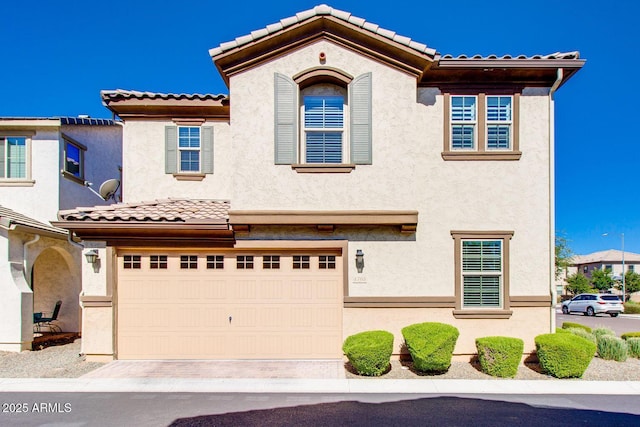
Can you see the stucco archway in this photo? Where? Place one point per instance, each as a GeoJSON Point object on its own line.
{"type": "Point", "coordinates": [53, 280]}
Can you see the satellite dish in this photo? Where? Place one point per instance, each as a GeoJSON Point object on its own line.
{"type": "Point", "coordinates": [107, 189]}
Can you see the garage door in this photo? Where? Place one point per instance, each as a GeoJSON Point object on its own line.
{"type": "Point", "coordinates": [229, 305]}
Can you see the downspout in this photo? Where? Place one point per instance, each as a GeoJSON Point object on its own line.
{"type": "Point", "coordinates": [25, 250]}
{"type": "Point", "coordinates": [552, 197]}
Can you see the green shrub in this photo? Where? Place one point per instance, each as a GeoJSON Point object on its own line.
{"type": "Point", "coordinates": [567, 325]}
{"type": "Point", "coordinates": [431, 345]}
{"type": "Point", "coordinates": [612, 348]}
{"type": "Point", "coordinates": [633, 345]}
{"type": "Point", "coordinates": [369, 352]}
{"type": "Point", "coordinates": [602, 331]}
{"type": "Point", "coordinates": [564, 355]}
{"type": "Point", "coordinates": [500, 356]}
{"type": "Point", "coordinates": [562, 331]}
{"type": "Point", "coordinates": [583, 334]}
{"type": "Point", "coordinates": [628, 335]}
{"type": "Point", "coordinates": [631, 307]}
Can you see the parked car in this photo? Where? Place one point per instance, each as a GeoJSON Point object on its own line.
{"type": "Point", "coordinates": [592, 304]}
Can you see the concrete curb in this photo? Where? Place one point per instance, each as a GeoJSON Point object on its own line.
{"type": "Point", "coordinates": [413, 386]}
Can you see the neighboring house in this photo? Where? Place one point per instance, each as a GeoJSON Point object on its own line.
{"type": "Point", "coordinates": [44, 163]}
{"type": "Point", "coordinates": [353, 179]}
{"type": "Point", "coordinates": [610, 260]}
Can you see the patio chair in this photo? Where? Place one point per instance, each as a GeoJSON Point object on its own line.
{"type": "Point", "coordinates": [39, 320]}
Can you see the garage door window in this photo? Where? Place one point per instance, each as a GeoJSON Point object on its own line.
{"type": "Point", "coordinates": [132, 261]}
{"type": "Point", "coordinates": [215, 262]}
{"type": "Point", "coordinates": [188, 262]}
{"type": "Point", "coordinates": [158, 262]}
{"type": "Point", "coordinates": [301, 262]}
{"type": "Point", "coordinates": [271, 262]}
{"type": "Point", "coordinates": [244, 262]}
{"type": "Point", "coordinates": [327, 262]}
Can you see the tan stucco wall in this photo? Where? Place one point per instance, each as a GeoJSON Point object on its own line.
{"type": "Point", "coordinates": [520, 325]}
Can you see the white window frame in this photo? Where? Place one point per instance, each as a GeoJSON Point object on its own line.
{"type": "Point", "coordinates": [27, 158]}
{"type": "Point", "coordinates": [464, 122]}
{"type": "Point", "coordinates": [482, 273]}
{"type": "Point", "coordinates": [180, 149]}
{"type": "Point", "coordinates": [498, 122]}
{"type": "Point", "coordinates": [324, 90]}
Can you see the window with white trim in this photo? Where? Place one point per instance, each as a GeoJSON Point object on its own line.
{"type": "Point", "coordinates": [464, 120]}
{"type": "Point", "coordinates": [323, 129]}
{"type": "Point", "coordinates": [499, 119]}
{"type": "Point", "coordinates": [13, 157]}
{"type": "Point", "coordinates": [189, 149]}
{"type": "Point", "coordinates": [481, 273]}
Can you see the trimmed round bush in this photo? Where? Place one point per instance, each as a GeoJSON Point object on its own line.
{"type": "Point", "coordinates": [569, 325]}
{"type": "Point", "coordinates": [564, 355]}
{"type": "Point", "coordinates": [612, 348]}
{"type": "Point", "coordinates": [633, 345]}
{"type": "Point", "coordinates": [582, 334]}
{"type": "Point", "coordinates": [628, 335]}
{"type": "Point", "coordinates": [369, 352]}
{"type": "Point", "coordinates": [431, 345]}
{"type": "Point", "coordinates": [562, 331]}
{"type": "Point", "coordinates": [500, 356]}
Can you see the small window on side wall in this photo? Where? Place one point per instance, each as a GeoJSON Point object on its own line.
{"type": "Point", "coordinates": [74, 154]}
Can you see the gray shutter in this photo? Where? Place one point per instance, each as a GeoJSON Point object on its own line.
{"type": "Point", "coordinates": [2, 157]}
{"type": "Point", "coordinates": [171, 149]}
{"type": "Point", "coordinates": [286, 103]}
{"type": "Point", "coordinates": [207, 149]}
{"type": "Point", "coordinates": [360, 104]}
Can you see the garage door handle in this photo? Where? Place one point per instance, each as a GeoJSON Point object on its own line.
{"type": "Point", "coordinates": [230, 319]}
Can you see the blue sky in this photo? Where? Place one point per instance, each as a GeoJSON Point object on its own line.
{"type": "Point", "coordinates": [57, 56]}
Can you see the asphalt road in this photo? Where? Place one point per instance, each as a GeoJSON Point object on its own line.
{"type": "Point", "coordinates": [620, 324]}
{"type": "Point", "coordinates": [282, 409]}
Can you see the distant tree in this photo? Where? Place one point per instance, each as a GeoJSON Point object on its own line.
{"type": "Point", "coordinates": [631, 283]}
{"type": "Point", "coordinates": [602, 280]}
{"type": "Point", "coordinates": [563, 254]}
{"type": "Point", "coordinates": [578, 284]}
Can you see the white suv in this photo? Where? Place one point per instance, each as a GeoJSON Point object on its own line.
{"type": "Point", "coordinates": [592, 304]}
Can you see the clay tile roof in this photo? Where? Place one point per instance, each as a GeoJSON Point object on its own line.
{"type": "Point", "coordinates": [121, 94]}
{"type": "Point", "coordinates": [321, 10]}
{"type": "Point", "coordinates": [168, 210]}
{"type": "Point", "coordinates": [556, 55]}
{"type": "Point", "coordinates": [9, 217]}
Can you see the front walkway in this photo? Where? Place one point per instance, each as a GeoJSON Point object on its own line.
{"type": "Point", "coordinates": [307, 369]}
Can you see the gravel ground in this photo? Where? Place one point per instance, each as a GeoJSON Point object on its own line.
{"type": "Point", "coordinates": [61, 361]}
{"type": "Point", "coordinates": [64, 361]}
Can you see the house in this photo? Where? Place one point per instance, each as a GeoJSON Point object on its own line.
{"type": "Point", "coordinates": [44, 164]}
{"type": "Point", "coordinates": [615, 261]}
{"type": "Point", "coordinates": [353, 179]}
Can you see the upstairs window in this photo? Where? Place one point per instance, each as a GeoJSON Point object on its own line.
{"type": "Point", "coordinates": [481, 127]}
{"type": "Point", "coordinates": [323, 128]}
{"type": "Point", "coordinates": [188, 150]}
{"type": "Point", "coordinates": [73, 159]}
{"type": "Point", "coordinates": [13, 157]}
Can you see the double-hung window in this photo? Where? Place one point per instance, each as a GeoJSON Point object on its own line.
{"type": "Point", "coordinates": [481, 127]}
{"type": "Point", "coordinates": [482, 274]}
{"type": "Point", "coordinates": [324, 128]}
{"type": "Point", "coordinates": [189, 148]}
{"type": "Point", "coordinates": [13, 157]}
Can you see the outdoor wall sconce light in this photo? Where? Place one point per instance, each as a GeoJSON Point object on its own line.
{"type": "Point", "coordinates": [359, 260]}
{"type": "Point", "coordinates": [92, 256]}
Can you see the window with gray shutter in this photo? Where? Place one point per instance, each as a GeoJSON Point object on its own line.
{"type": "Point", "coordinates": [286, 102]}
{"type": "Point", "coordinates": [207, 149]}
{"type": "Point", "coordinates": [360, 104]}
{"type": "Point", "coordinates": [171, 149]}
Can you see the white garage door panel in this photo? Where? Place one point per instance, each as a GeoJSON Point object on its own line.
{"type": "Point", "coordinates": [230, 313]}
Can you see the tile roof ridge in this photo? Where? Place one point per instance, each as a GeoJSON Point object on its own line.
{"type": "Point", "coordinates": [320, 10]}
